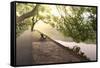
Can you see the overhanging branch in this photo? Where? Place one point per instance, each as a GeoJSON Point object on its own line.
{"type": "Point", "coordinates": [27, 15]}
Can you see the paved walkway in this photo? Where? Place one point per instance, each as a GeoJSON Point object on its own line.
{"type": "Point", "coordinates": [32, 50]}
{"type": "Point", "coordinates": [24, 49]}
{"type": "Point", "coordinates": [47, 51]}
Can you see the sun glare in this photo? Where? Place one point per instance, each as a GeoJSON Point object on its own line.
{"type": "Point", "coordinates": [54, 10]}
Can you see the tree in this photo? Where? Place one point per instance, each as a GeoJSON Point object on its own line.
{"type": "Point", "coordinates": [28, 14]}
{"type": "Point", "coordinates": [24, 12]}
{"type": "Point", "coordinates": [32, 13]}
{"type": "Point", "coordinates": [75, 24]}
{"type": "Point", "coordinates": [74, 21]}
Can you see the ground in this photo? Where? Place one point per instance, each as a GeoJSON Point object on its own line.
{"type": "Point", "coordinates": [30, 49]}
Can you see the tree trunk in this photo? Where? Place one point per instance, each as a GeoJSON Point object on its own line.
{"type": "Point", "coordinates": [27, 15]}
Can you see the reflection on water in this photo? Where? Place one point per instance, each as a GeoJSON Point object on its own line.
{"type": "Point", "coordinates": [88, 49]}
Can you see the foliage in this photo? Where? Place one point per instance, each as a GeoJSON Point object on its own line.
{"type": "Point", "coordinates": [21, 27]}
{"type": "Point", "coordinates": [20, 10]}
{"type": "Point", "coordinates": [80, 24]}
{"type": "Point", "coordinates": [76, 22]}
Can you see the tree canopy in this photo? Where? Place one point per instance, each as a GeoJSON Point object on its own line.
{"type": "Point", "coordinates": [78, 22]}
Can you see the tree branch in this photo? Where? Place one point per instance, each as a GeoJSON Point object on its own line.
{"type": "Point", "coordinates": [27, 15]}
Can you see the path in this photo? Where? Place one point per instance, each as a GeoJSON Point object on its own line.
{"type": "Point", "coordinates": [30, 49]}
{"type": "Point", "coordinates": [24, 49]}
{"type": "Point", "coordinates": [47, 51]}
